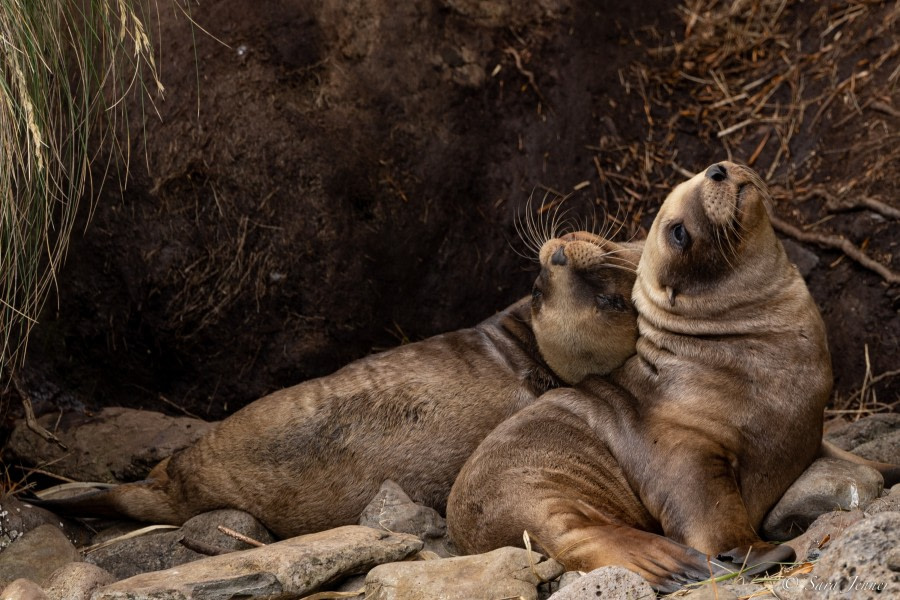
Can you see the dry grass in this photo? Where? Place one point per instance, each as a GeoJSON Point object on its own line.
{"type": "Point", "coordinates": [766, 78]}
{"type": "Point", "coordinates": [66, 68]}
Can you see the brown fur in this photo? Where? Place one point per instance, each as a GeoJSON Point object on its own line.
{"type": "Point", "coordinates": [696, 436]}
{"type": "Point", "coordinates": [312, 456]}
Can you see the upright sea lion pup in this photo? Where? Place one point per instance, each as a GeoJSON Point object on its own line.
{"type": "Point", "coordinates": [312, 456]}
{"type": "Point", "coordinates": [697, 435]}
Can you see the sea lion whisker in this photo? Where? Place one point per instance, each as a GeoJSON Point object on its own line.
{"type": "Point", "coordinates": [524, 236]}
{"type": "Point", "coordinates": [620, 267]}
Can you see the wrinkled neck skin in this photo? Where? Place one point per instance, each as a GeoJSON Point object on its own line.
{"type": "Point", "coordinates": [730, 307]}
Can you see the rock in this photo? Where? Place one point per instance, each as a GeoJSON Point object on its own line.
{"type": "Point", "coordinates": [804, 259]}
{"type": "Point", "coordinates": [569, 577]}
{"type": "Point", "coordinates": [884, 448]}
{"type": "Point", "coordinates": [115, 445]}
{"type": "Point", "coordinates": [823, 532]}
{"type": "Point", "coordinates": [164, 550]}
{"type": "Point", "coordinates": [887, 503]}
{"type": "Point", "coordinates": [76, 581]}
{"type": "Point", "coordinates": [296, 566]}
{"type": "Point", "coordinates": [895, 491]}
{"type": "Point", "coordinates": [17, 517]}
{"type": "Point", "coordinates": [158, 551]}
{"type": "Point", "coordinates": [502, 573]}
{"type": "Point", "coordinates": [861, 564]}
{"type": "Point", "coordinates": [204, 528]}
{"type": "Point", "coordinates": [828, 484]}
{"type": "Point", "coordinates": [392, 510]}
{"type": "Point", "coordinates": [36, 555]}
{"type": "Point", "coordinates": [792, 588]}
{"type": "Point", "coordinates": [133, 556]}
{"type": "Point", "coordinates": [708, 592]}
{"type": "Point", "coordinates": [852, 435]}
{"type": "Point", "coordinates": [607, 582]}
{"type": "Point", "coordinates": [23, 589]}
{"type": "Point", "coordinates": [746, 590]}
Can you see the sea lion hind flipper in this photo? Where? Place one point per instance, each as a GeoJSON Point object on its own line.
{"type": "Point", "coordinates": [758, 557]}
{"type": "Point", "coordinates": [140, 500]}
{"type": "Point", "coordinates": [890, 472]}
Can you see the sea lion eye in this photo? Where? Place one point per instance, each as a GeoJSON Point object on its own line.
{"type": "Point", "coordinates": [680, 237]}
{"type": "Point", "coordinates": [537, 297]}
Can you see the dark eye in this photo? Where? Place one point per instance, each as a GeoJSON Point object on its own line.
{"type": "Point", "coordinates": [680, 236]}
{"type": "Point", "coordinates": [536, 294]}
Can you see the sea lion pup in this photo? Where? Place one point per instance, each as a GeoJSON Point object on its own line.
{"type": "Point", "coordinates": [696, 436]}
{"type": "Point", "coordinates": [312, 456]}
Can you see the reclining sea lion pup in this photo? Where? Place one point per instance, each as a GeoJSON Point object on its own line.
{"type": "Point", "coordinates": [312, 456]}
{"type": "Point", "coordinates": [696, 436]}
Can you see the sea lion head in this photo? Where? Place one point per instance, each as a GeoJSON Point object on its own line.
{"type": "Point", "coordinates": [582, 315]}
{"type": "Point", "coordinates": [711, 242]}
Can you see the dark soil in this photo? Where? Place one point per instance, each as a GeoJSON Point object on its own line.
{"type": "Point", "coordinates": [340, 176]}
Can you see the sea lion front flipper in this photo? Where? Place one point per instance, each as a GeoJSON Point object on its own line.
{"type": "Point", "coordinates": [665, 564]}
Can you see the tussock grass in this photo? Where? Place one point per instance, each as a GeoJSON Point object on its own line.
{"type": "Point", "coordinates": [65, 68]}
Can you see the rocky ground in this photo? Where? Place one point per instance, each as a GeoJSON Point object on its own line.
{"type": "Point", "coordinates": [838, 518]}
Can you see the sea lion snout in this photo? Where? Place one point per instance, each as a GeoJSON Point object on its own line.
{"type": "Point", "coordinates": [720, 193]}
{"type": "Point", "coordinates": [559, 257]}
{"type": "Point", "coordinates": [717, 173]}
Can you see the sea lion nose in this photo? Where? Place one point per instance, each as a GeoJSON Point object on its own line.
{"type": "Point", "coordinates": [559, 257]}
{"type": "Point", "coordinates": [717, 173]}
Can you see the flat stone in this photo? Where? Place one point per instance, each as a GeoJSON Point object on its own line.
{"type": "Point", "coordinates": [828, 484]}
{"type": "Point", "coordinates": [114, 445]}
{"type": "Point", "coordinates": [136, 555]}
{"type": "Point", "coordinates": [23, 589]}
{"type": "Point", "coordinates": [502, 573]}
{"type": "Point", "coordinates": [76, 581]}
{"type": "Point", "coordinates": [36, 555]}
{"type": "Point", "coordinates": [296, 566]}
{"type": "Point", "coordinates": [860, 563]}
{"type": "Point", "coordinates": [607, 582]}
{"type": "Point", "coordinates": [164, 550]}
{"type": "Point", "coordinates": [824, 530]}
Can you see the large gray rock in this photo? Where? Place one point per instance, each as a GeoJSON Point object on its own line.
{"type": "Point", "coordinates": [392, 510]}
{"type": "Point", "coordinates": [76, 581]}
{"type": "Point", "coordinates": [607, 582]}
{"type": "Point", "coordinates": [296, 566]}
{"type": "Point", "coordinates": [17, 517]}
{"type": "Point", "coordinates": [863, 563]}
{"type": "Point", "coordinates": [884, 448]}
{"type": "Point", "coordinates": [116, 444]}
{"type": "Point", "coordinates": [23, 589]}
{"type": "Point", "coordinates": [36, 555]}
{"type": "Point", "coordinates": [828, 484]}
{"type": "Point", "coordinates": [849, 436]}
{"type": "Point", "coordinates": [502, 573]}
{"type": "Point", "coordinates": [158, 551]}
{"type": "Point", "coordinates": [822, 533]}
